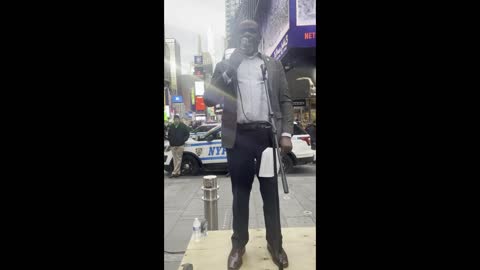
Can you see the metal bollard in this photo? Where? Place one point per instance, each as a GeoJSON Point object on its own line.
{"type": "Point", "coordinates": [210, 198]}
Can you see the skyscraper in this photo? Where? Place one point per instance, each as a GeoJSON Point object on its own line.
{"type": "Point", "coordinates": [211, 44]}
{"type": "Point", "coordinates": [175, 63]}
{"type": "Point", "coordinates": [231, 7]}
{"type": "Point", "coordinates": [175, 72]}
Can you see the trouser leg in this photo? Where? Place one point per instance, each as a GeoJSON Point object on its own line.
{"type": "Point", "coordinates": [175, 162]}
{"type": "Point", "coordinates": [242, 172]}
{"type": "Point", "coordinates": [269, 192]}
{"type": "Point", "coordinates": [177, 152]}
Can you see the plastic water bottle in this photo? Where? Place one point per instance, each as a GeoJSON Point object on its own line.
{"type": "Point", "coordinates": [196, 230]}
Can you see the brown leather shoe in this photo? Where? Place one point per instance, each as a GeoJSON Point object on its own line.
{"type": "Point", "coordinates": [235, 258]}
{"type": "Point", "coordinates": [279, 259]}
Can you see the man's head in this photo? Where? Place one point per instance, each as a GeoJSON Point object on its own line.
{"type": "Point", "coordinates": [248, 37]}
{"type": "Point", "coordinates": [176, 119]}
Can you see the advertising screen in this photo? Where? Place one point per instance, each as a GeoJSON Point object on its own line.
{"type": "Point", "coordinates": [302, 32]}
{"type": "Point", "coordinates": [167, 111]}
{"type": "Point", "coordinates": [199, 104]}
{"type": "Point", "coordinates": [177, 99]}
{"type": "Point", "coordinates": [306, 12]}
{"type": "Point", "coordinates": [199, 88]}
{"type": "Point", "coordinates": [198, 59]}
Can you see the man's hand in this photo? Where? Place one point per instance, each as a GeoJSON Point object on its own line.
{"type": "Point", "coordinates": [286, 145]}
{"type": "Point", "coordinates": [234, 62]}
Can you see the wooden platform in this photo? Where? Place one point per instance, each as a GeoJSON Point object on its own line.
{"type": "Point", "coordinates": [211, 252]}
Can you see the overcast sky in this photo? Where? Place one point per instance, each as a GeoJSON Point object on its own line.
{"type": "Point", "coordinates": [186, 19]}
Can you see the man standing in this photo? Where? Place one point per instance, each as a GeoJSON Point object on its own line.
{"type": "Point", "coordinates": [177, 136]}
{"type": "Point", "coordinates": [246, 133]}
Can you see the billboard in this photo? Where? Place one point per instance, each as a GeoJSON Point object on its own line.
{"type": "Point", "coordinates": [199, 88]}
{"type": "Point", "coordinates": [167, 112]}
{"type": "Point", "coordinates": [305, 12]}
{"type": "Point", "coordinates": [288, 24]}
{"type": "Point", "coordinates": [199, 104]}
{"type": "Point", "coordinates": [303, 24]}
{"type": "Point", "coordinates": [281, 49]}
{"type": "Point", "coordinates": [177, 99]}
{"type": "Point", "coordinates": [198, 59]}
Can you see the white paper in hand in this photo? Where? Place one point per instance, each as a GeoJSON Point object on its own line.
{"type": "Point", "coordinates": [266, 164]}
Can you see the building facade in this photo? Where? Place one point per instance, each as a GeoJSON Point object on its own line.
{"type": "Point", "coordinates": [231, 8]}
{"type": "Point", "coordinates": [174, 62]}
{"type": "Point", "coordinates": [166, 82]}
{"type": "Point", "coordinates": [175, 71]}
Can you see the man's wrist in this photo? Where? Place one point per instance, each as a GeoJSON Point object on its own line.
{"type": "Point", "coordinates": [285, 134]}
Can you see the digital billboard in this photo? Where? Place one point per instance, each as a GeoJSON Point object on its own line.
{"type": "Point", "coordinates": [177, 99]}
{"type": "Point", "coordinates": [167, 111]}
{"type": "Point", "coordinates": [199, 104]}
{"type": "Point", "coordinates": [288, 24]}
{"type": "Point", "coordinates": [198, 59]}
{"type": "Point", "coordinates": [305, 12]}
{"type": "Point", "coordinates": [303, 24]}
{"type": "Point", "coordinates": [199, 88]}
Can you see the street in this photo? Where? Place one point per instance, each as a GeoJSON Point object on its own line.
{"type": "Point", "coordinates": [183, 203]}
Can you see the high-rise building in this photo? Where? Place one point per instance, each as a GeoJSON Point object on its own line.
{"type": "Point", "coordinates": [166, 78]}
{"type": "Point", "coordinates": [166, 65]}
{"type": "Point", "coordinates": [211, 44]}
{"type": "Point", "coordinates": [175, 72]}
{"type": "Point", "coordinates": [175, 63]}
{"type": "Point", "coordinates": [231, 7]}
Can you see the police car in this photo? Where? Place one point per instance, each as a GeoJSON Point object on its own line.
{"type": "Point", "coordinates": [202, 130]}
{"type": "Point", "coordinates": [207, 154]}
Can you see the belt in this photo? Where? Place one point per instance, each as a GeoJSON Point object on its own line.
{"type": "Point", "coordinates": [252, 126]}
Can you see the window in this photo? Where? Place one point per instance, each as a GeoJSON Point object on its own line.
{"type": "Point", "coordinates": [203, 129]}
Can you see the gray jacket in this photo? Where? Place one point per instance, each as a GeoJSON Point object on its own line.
{"type": "Point", "coordinates": [217, 92]}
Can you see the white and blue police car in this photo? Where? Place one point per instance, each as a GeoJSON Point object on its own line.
{"type": "Point", "coordinates": [201, 130]}
{"type": "Point", "coordinates": [207, 154]}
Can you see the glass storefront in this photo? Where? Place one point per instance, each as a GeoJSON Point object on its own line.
{"type": "Point", "coordinates": [305, 114]}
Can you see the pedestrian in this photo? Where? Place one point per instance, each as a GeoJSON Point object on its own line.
{"type": "Point", "coordinates": [246, 134]}
{"type": "Point", "coordinates": [177, 136]}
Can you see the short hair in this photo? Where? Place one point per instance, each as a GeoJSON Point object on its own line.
{"type": "Point", "coordinates": [242, 25]}
{"type": "Point", "coordinates": [176, 116]}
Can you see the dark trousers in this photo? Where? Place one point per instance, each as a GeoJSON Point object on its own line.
{"type": "Point", "coordinates": [249, 145]}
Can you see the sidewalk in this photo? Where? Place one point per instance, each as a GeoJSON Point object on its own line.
{"type": "Point", "coordinates": [183, 203]}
